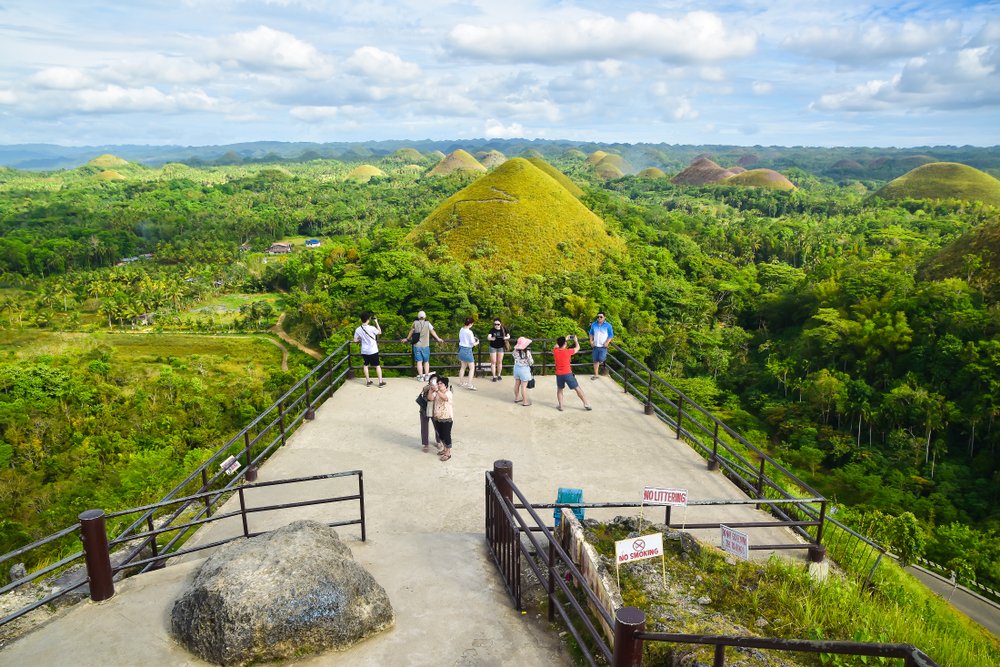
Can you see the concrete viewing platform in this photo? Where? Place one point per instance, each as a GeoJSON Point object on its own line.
{"type": "Point", "coordinates": [425, 521]}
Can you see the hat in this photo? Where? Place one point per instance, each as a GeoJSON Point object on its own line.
{"type": "Point", "coordinates": [522, 343]}
{"type": "Point", "coordinates": [421, 315]}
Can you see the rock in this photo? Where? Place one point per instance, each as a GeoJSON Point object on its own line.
{"type": "Point", "coordinates": [704, 600]}
{"type": "Point", "coordinates": [291, 592]}
{"type": "Point", "coordinates": [18, 571]}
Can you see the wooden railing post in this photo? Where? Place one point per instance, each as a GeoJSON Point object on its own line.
{"type": "Point", "coordinates": [628, 649]}
{"type": "Point", "coordinates": [94, 535]}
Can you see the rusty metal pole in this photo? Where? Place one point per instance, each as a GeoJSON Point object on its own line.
{"type": "Point", "coordinates": [713, 463]}
{"type": "Point", "coordinates": [628, 649]}
{"type": "Point", "coordinates": [94, 535]}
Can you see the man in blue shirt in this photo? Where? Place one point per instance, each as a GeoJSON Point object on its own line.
{"type": "Point", "coordinates": [601, 334]}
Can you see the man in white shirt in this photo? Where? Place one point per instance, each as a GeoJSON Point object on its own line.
{"type": "Point", "coordinates": [366, 335]}
{"type": "Point", "coordinates": [601, 333]}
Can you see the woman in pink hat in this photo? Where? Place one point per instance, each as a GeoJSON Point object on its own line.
{"type": "Point", "coordinates": [522, 370]}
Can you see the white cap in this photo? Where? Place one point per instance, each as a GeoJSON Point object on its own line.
{"type": "Point", "coordinates": [421, 315]}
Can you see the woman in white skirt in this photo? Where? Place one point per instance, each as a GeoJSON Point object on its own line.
{"type": "Point", "coordinates": [522, 370]}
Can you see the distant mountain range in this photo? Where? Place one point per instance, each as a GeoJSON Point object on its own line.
{"type": "Point", "coordinates": [840, 162]}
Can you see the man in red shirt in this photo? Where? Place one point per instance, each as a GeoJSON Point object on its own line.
{"type": "Point", "coordinates": [563, 357]}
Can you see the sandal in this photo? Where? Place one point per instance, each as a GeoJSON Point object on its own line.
{"type": "Point", "coordinates": [425, 448]}
{"type": "Point", "coordinates": [440, 447]}
{"type": "Point", "coordinates": [444, 457]}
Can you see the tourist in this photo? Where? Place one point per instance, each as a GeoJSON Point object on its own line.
{"type": "Point", "coordinates": [601, 332]}
{"type": "Point", "coordinates": [444, 413]}
{"type": "Point", "coordinates": [428, 391]}
{"type": "Point", "coordinates": [522, 371]}
{"type": "Point", "coordinates": [499, 339]}
{"type": "Point", "coordinates": [563, 357]}
{"type": "Point", "coordinates": [366, 334]}
{"type": "Point", "coordinates": [466, 341]}
{"type": "Point", "coordinates": [419, 336]}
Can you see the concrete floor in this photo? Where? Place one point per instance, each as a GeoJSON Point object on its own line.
{"type": "Point", "coordinates": [425, 522]}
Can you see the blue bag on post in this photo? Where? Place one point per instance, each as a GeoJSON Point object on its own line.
{"type": "Point", "coordinates": [568, 496]}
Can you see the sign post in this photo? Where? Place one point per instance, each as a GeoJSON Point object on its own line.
{"type": "Point", "coordinates": [652, 495]}
{"type": "Point", "coordinates": [735, 542]}
{"type": "Point", "coordinates": [639, 548]}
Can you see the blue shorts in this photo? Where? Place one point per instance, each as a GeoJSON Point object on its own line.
{"type": "Point", "coordinates": [568, 380]}
{"type": "Point", "coordinates": [522, 373]}
{"type": "Point", "coordinates": [465, 354]}
{"type": "Point", "coordinates": [600, 354]}
{"type": "Point", "coordinates": [422, 353]}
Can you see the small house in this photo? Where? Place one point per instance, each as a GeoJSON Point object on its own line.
{"type": "Point", "coordinates": [312, 243]}
{"type": "Point", "coordinates": [279, 249]}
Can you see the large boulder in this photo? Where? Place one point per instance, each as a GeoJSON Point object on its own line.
{"type": "Point", "coordinates": [291, 592]}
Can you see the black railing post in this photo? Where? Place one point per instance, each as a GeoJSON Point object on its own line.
{"type": "Point", "coordinates": [152, 544]}
{"type": "Point", "coordinates": [760, 480]}
{"type": "Point", "coordinates": [666, 516]}
{"type": "Point", "coordinates": [649, 394]}
{"type": "Point", "coordinates": [243, 513]}
{"type": "Point", "coordinates": [625, 375]}
{"type": "Point", "coordinates": [713, 463]}
{"type": "Point", "coordinates": [204, 487]}
{"type": "Point", "coordinates": [281, 421]}
{"type": "Point", "coordinates": [720, 656]}
{"type": "Point", "coordinates": [361, 493]}
{"type": "Point", "coordinates": [310, 414]}
{"type": "Point", "coordinates": [628, 649]}
{"type": "Point", "coordinates": [94, 535]}
{"type": "Point", "coordinates": [552, 582]}
{"type": "Point", "coordinates": [350, 364]}
{"type": "Point", "coordinates": [680, 414]}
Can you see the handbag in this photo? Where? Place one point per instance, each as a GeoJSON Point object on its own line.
{"type": "Point", "coordinates": [415, 338]}
{"type": "Point", "coordinates": [422, 400]}
{"type": "Point", "coordinates": [531, 383]}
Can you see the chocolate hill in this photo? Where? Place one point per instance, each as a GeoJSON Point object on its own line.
{"type": "Point", "coordinates": [944, 180]}
{"type": "Point", "coordinates": [459, 160]}
{"type": "Point", "coordinates": [518, 213]}
{"type": "Point", "coordinates": [365, 173]}
{"type": "Point", "coordinates": [702, 171]}
{"type": "Point", "coordinates": [560, 177]}
{"type": "Point", "coordinates": [980, 244]}
{"type": "Point", "coordinates": [760, 178]}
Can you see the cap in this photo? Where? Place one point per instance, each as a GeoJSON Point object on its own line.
{"type": "Point", "coordinates": [421, 315]}
{"type": "Point", "coordinates": [522, 343]}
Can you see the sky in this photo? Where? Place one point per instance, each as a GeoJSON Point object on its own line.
{"type": "Point", "coordinates": [771, 72]}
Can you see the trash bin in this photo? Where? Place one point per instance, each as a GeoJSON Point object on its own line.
{"type": "Point", "coordinates": [568, 496]}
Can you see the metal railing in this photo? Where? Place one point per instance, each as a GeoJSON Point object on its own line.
{"type": "Point", "coordinates": [231, 466]}
{"type": "Point", "coordinates": [505, 526]}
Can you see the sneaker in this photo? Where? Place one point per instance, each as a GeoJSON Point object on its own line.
{"type": "Point", "coordinates": [494, 378]}
{"type": "Point", "coordinates": [369, 383]}
{"type": "Point", "coordinates": [593, 377]}
{"type": "Point", "coordinates": [499, 378]}
{"type": "Point", "coordinates": [470, 387]}
{"type": "Point", "coordinates": [381, 384]}
{"type": "Point", "coordinates": [420, 378]}
{"type": "Point", "coordinates": [587, 407]}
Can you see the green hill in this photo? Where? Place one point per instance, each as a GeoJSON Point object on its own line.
{"type": "Point", "coordinates": [365, 173]}
{"type": "Point", "coordinates": [110, 175]}
{"type": "Point", "coordinates": [560, 177]}
{"type": "Point", "coordinates": [519, 213]}
{"type": "Point", "coordinates": [651, 172]}
{"type": "Point", "coordinates": [407, 156]}
{"type": "Point", "coordinates": [457, 161]}
{"type": "Point", "coordinates": [107, 161]}
{"type": "Point", "coordinates": [612, 163]}
{"type": "Point", "coordinates": [760, 178]}
{"type": "Point", "coordinates": [596, 157]}
{"type": "Point", "coordinates": [574, 154]}
{"type": "Point", "coordinates": [973, 257]}
{"type": "Point", "coordinates": [944, 180]}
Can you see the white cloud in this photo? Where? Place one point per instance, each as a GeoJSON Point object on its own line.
{"type": "Point", "coordinates": [267, 49]}
{"type": "Point", "coordinates": [376, 64]}
{"type": "Point", "coordinates": [761, 87]}
{"type": "Point", "coordinates": [494, 129]}
{"type": "Point", "coordinates": [862, 44]}
{"type": "Point", "coordinates": [314, 114]}
{"type": "Point", "coordinates": [115, 99]}
{"type": "Point", "coordinates": [968, 78]}
{"type": "Point", "coordinates": [61, 78]}
{"type": "Point", "coordinates": [8, 97]}
{"type": "Point", "coordinates": [684, 110]}
{"type": "Point", "coordinates": [696, 37]}
{"type": "Point", "coordinates": [147, 68]}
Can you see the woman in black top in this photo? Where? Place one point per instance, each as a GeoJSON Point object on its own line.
{"type": "Point", "coordinates": [499, 339]}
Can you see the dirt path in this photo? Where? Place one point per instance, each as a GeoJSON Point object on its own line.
{"type": "Point", "coordinates": [291, 341]}
{"type": "Point", "coordinates": [284, 352]}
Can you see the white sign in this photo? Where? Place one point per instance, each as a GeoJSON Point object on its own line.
{"type": "Point", "coordinates": [735, 542]}
{"type": "Point", "coordinates": [654, 496]}
{"type": "Point", "coordinates": [230, 465]}
{"type": "Point", "coordinates": [639, 548]}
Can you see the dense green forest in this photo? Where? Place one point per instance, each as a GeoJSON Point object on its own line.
{"type": "Point", "coordinates": [810, 320]}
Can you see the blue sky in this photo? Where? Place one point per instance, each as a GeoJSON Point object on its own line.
{"type": "Point", "coordinates": [783, 72]}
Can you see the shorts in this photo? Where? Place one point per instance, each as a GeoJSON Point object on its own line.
{"type": "Point", "coordinates": [371, 359]}
{"type": "Point", "coordinates": [568, 380]}
{"type": "Point", "coordinates": [422, 353]}
{"type": "Point", "coordinates": [600, 354]}
{"type": "Point", "coordinates": [497, 350]}
{"type": "Point", "coordinates": [465, 354]}
{"type": "Point", "coordinates": [522, 373]}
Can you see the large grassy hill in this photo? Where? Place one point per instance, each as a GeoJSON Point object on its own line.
{"type": "Point", "coordinates": [458, 160]}
{"type": "Point", "coordinates": [519, 213]}
{"type": "Point", "coordinates": [974, 257]}
{"type": "Point", "coordinates": [560, 177]}
{"type": "Point", "coordinates": [700, 172]}
{"type": "Point", "coordinates": [760, 178]}
{"type": "Point", "coordinates": [944, 180]}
